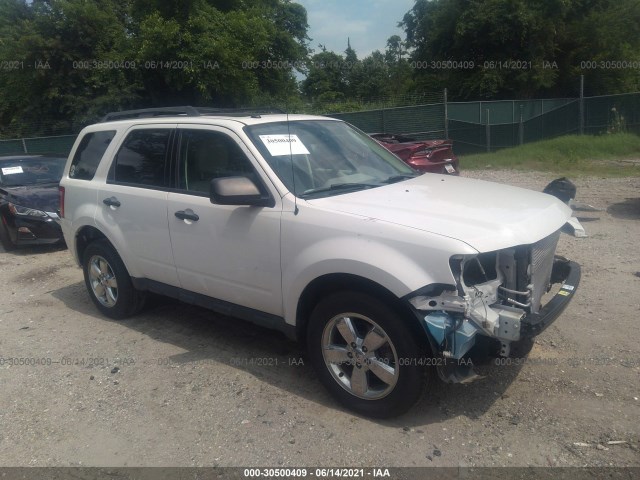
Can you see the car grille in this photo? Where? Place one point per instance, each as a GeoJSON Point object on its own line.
{"type": "Point", "coordinates": [542, 255]}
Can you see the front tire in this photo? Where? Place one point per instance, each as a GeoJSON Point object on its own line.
{"type": "Point", "coordinates": [108, 282]}
{"type": "Point", "coordinates": [365, 354]}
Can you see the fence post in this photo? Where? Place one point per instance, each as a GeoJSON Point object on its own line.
{"type": "Point", "coordinates": [581, 104]}
{"type": "Point", "coordinates": [24, 146]}
{"type": "Point", "coordinates": [446, 117]}
{"type": "Point", "coordinates": [521, 128]}
{"type": "Point", "coordinates": [488, 133]}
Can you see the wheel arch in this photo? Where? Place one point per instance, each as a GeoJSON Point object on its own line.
{"type": "Point", "coordinates": [84, 237]}
{"type": "Point", "coordinates": [336, 282]}
{"type": "Point", "coordinates": [90, 233]}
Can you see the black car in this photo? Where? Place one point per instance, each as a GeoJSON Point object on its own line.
{"type": "Point", "coordinates": [29, 199]}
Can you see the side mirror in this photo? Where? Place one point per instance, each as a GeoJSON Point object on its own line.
{"type": "Point", "coordinates": [238, 191]}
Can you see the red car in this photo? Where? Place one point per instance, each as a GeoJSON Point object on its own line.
{"type": "Point", "coordinates": [435, 156]}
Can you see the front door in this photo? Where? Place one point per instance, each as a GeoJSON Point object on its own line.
{"type": "Point", "coordinates": [230, 253]}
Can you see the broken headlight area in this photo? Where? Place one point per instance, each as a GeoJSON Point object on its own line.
{"type": "Point", "coordinates": [497, 294]}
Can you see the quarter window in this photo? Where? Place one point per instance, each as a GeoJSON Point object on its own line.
{"type": "Point", "coordinates": [89, 153]}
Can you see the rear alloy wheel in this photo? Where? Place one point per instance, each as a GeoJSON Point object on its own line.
{"type": "Point", "coordinates": [109, 283]}
{"type": "Point", "coordinates": [104, 285]}
{"type": "Point", "coordinates": [365, 355]}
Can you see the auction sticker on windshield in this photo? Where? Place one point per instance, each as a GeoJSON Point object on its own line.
{"type": "Point", "coordinates": [281, 145]}
{"type": "Point", "coordinates": [12, 170]}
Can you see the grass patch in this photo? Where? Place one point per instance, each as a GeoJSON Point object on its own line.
{"type": "Point", "coordinates": [607, 155]}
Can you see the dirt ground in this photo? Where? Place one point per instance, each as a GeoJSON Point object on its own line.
{"type": "Point", "coordinates": [181, 386]}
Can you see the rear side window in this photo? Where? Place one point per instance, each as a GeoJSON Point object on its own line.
{"type": "Point", "coordinates": [89, 153]}
{"type": "Point", "coordinates": [142, 159]}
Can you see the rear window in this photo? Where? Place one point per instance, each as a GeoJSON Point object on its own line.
{"type": "Point", "coordinates": [89, 153]}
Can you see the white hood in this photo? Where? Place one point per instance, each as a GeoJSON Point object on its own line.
{"type": "Point", "coordinates": [487, 216]}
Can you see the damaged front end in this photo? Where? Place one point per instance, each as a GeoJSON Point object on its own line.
{"type": "Point", "coordinates": [499, 295]}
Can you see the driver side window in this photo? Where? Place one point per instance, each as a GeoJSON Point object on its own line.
{"type": "Point", "coordinates": [205, 155]}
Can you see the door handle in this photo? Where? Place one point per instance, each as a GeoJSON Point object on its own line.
{"type": "Point", "coordinates": [111, 202]}
{"type": "Point", "coordinates": [187, 215]}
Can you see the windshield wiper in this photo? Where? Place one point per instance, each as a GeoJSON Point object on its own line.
{"type": "Point", "coordinates": [398, 178]}
{"type": "Point", "coordinates": [340, 186]}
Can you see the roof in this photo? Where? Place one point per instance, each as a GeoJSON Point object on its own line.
{"type": "Point", "coordinates": [213, 120]}
{"type": "Point", "coordinates": [187, 111]}
{"type": "Point", "coordinates": [185, 114]}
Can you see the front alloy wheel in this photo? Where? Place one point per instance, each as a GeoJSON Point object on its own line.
{"type": "Point", "coordinates": [360, 356]}
{"type": "Point", "coordinates": [366, 354]}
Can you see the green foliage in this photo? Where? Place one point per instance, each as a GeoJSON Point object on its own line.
{"type": "Point", "coordinates": [75, 57]}
{"type": "Point", "coordinates": [337, 83]}
{"type": "Point", "coordinates": [525, 48]}
{"type": "Point", "coordinates": [609, 37]}
{"type": "Point", "coordinates": [201, 52]}
{"type": "Point", "coordinates": [568, 155]}
{"type": "Point", "coordinates": [236, 54]}
{"type": "Point", "coordinates": [48, 90]}
{"type": "Point", "coordinates": [325, 81]}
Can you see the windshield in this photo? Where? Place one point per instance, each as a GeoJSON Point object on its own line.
{"type": "Point", "coordinates": [18, 171]}
{"type": "Point", "coordinates": [316, 158]}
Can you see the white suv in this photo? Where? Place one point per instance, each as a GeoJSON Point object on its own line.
{"type": "Point", "coordinates": [306, 225]}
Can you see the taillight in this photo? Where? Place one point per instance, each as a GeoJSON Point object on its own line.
{"type": "Point", "coordinates": [61, 197]}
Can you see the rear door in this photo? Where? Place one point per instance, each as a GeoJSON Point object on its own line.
{"type": "Point", "coordinates": [132, 205]}
{"type": "Point", "coordinates": [231, 253]}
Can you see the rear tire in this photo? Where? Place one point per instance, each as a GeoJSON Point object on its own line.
{"type": "Point", "coordinates": [365, 355]}
{"type": "Point", "coordinates": [108, 282]}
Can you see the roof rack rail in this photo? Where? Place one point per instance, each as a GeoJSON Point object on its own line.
{"type": "Point", "coordinates": [187, 111]}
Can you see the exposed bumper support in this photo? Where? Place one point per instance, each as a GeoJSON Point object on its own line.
{"type": "Point", "coordinates": [452, 322]}
{"type": "Point", "coordinates": [568, 273]}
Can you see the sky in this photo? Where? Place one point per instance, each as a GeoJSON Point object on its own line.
{"type": "Point", "coordinates": [367, 23]}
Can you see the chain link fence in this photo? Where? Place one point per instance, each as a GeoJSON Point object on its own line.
{"type": "Point", "coordinates": [59, 144]}
{"type": "Point", "coordinates": [474, 127]}
{"type": "Point", "coordinates": [422, 122]}
{"type": "Point", "coordinates": [612, 113]}
{"type": "Point", "coordinates": [477, 127]}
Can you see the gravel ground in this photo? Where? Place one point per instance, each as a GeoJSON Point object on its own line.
{"type": "Point", "coordinates": [181, 386]}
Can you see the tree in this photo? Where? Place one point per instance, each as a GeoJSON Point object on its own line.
{"type": "Point", "coordinates": [603, 44]}
{"type": "Point", "coordinates": [521, 48]}
{"type": "Point", "coordinates": [351, 71]}
{"type": "Point", "coordinates": [468, 41]}
{"type": "Point", "coordinates": [399, 69]}
{"type": "Point", "coordinates": [374, 82]}
{"type": "Point", "coordinates": [57, 85]}
{"type": "Point", "coordinates": [396, 50]}
{"type": "Point", "coordinates": [235, 54]}
{"type": "Point", "coordinates": [101, 55]}
{"type": "Point", "coordinates": [325, 82]}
